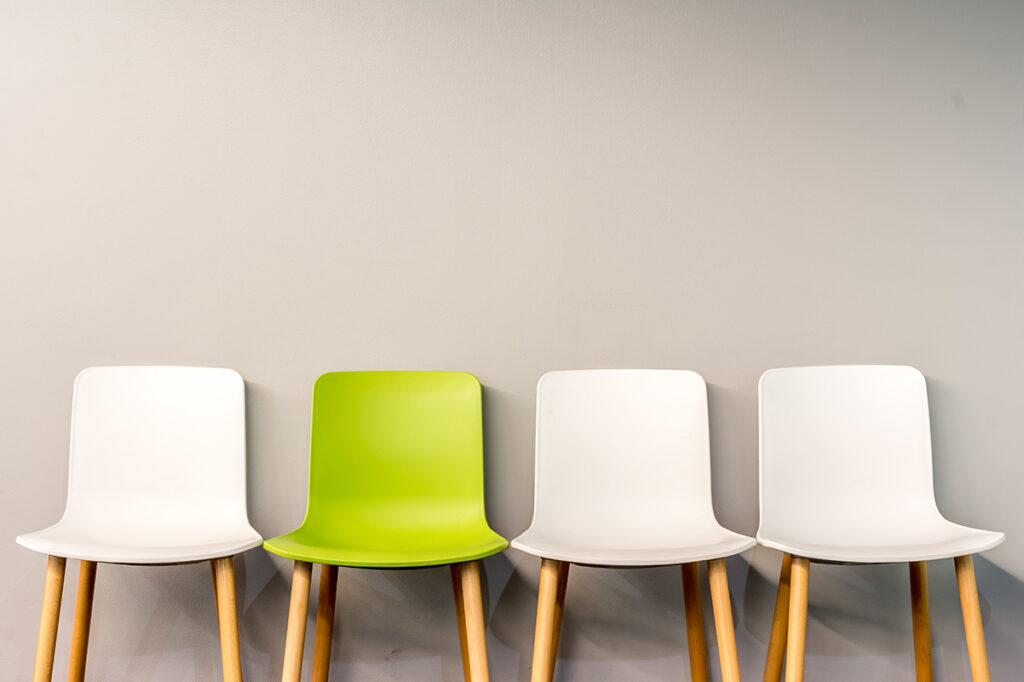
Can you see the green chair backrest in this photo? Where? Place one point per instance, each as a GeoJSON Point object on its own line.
{"type": "Point", "coordinates": [396, 449]}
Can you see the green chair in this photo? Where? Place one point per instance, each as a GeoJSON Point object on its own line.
{"type": "Point", "coordinates": [395, 481]}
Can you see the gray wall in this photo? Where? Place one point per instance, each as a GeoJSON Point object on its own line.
{"type": "Point", "coordinates": [507, 188]}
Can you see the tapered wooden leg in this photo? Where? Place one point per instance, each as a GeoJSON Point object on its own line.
{"type": "Point", "coordinates": [972, 618]}
{"type": "Point", "coordinates": [48, 620]}
{"type": "Point", "coordinates": [324, 622]}
{"type": "Point", "coordinates": [297, 609]}
{"type": "Point", "coordinates": [922, 626]}
{"type": "Point", "coordinates": [797, 620]}
{"type": "Point", "coordinates": [83, 617]}
{"type": "Point", "coordinates": [216, 599]}
{"type": "Point", "coordinates": [554, 576]}
{"type": "Point", "coordinates": [227, 618]}
{"type": "Point", "coordinates": [460, 616]}
{"type": "Point", "coordinates": [556, 625]}
{"type": "Point", "coordinates": [722, 606]}
{"type": "Point", "coordinates": [473, 616]}
{"type": "Point", "coordinates": [780, 625]}
{"type": "Point", "coordinates": [694, 622]}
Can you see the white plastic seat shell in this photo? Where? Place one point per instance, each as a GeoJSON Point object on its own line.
{"type": "Point", "coordinates": [730, 544]}
{"type": "Point", "coordinates": [846, 468]}
{"type": "Point", "coordinates": [65, 541]}
{"type": "Point", "coordinates": [157, 468]}
{"type": "Point", "coordinates": [623, 474]}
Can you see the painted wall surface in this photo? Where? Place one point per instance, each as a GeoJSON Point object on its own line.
{"type": "Point", "coordinates": [506, 188]}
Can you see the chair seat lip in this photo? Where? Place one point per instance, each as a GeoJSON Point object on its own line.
{"type": "Point", "coordinates": [354, 557]}
{"type": "Point", "coordinates": [666, 555]}
{"type": "Point", "coordinates": [974, 542]}
{"type": "Point", "coordinates": [69, 546]}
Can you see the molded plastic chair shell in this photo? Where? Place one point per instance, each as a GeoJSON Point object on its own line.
{"type": "Point", "coordinates": [846, 468]}
{"type": "Point", "coordinates": [623, 471]}
{"type": "Point", "coordinates": [157, 468]}
{"type": "Point", "coordinates": [396, 479]}
{"type": "Point", "coordinates": [395, 473]}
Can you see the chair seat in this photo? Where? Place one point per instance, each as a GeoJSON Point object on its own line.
{"type": "Point", "coordinates": [387, 548]}
{"type": "Point", "coordinates": [943, 541]}
{"type": "Point", "coordinates": [138, 546]}
{"type": "Point", "coordinates": [709, 545]}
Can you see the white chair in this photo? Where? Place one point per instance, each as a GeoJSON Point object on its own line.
{"type": "Point", "coordinates": [846, 477]}
{"type": "Point", "coordinates": [623, 478]}
{"type": "Point", "coordinates": [156, 476]}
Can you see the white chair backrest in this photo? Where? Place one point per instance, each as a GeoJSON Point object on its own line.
{"type": "Point", "coordinates": [159, 447]}
{"type": "Point", "coordinates": [621, 454]}
{"type": "Point", "coordinates": [845, 452]}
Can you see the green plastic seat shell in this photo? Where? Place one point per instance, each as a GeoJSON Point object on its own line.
{"type": "Point", "coordinates": [395, 473]}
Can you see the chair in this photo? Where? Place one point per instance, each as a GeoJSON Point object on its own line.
{"type": "Point", "coordinates": [623, 478]}
{"type": "Point", "coordinates": [156, 476]}
{"type": "Point", "coordinates": [846, 477]}
{"type": "Point", "coordinates": [395, 481]}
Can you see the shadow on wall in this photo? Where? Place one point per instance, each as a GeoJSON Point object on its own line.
{"type": "Point", "coordinates": [385, 619]}
{"type": "Point", "coordinates": [859, 618]}
{"type": "Point", "coordinates": [863, 611]}
{"type": "Point", "coordinates": [400, 624]}
{"type": "Point", "coordinates": [611, 614]}
{"type": "Point", "coordinates": [1004, 620]}
{"type": "Point", "coordinates": [181, 595]}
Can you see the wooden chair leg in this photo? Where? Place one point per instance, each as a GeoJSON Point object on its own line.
{"type": "Point", "coordinates": [797, 620]}
{"type": "Point", "coordinates": [726, 634]}
{"type": "Point", "coordinates": [227, 617]}
{"type": "Point", "coordinates": [49, 619]}
{"type": "Point", "coordinates": [83, 618]}
{"type": "Point", "coordinates": [297, 609]}
{"type": "Point", "coordinates": [216, 597]}
{"type": "Point", "coordinates": [972, 618]}
{"type": "Point", "coordinates": [324, 622]}
{"type": "Point", "coordinates": [922, 626]}
{"type": "Point", "coordinates": [694, 622]}
{"type": "Point", "coordinates": [473, 617]}
{"type": "Point", "coordinates": [780, 625]}
{"type": "Point", "coordinates": [556, 626]}
{"type": "Point", "coordinates": [460, 616]}
{"type": "Point", "coordinates": [554, 576]}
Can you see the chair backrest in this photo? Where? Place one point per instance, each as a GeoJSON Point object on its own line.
{"type": "Point", "coordinates": [623, 456]}
{"type": "Point", "coordinates": [396, 449]}
{"type": "Point", "coordinates": [844, 451]}
{"type": "Point", "coordinates": [158, 447]}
